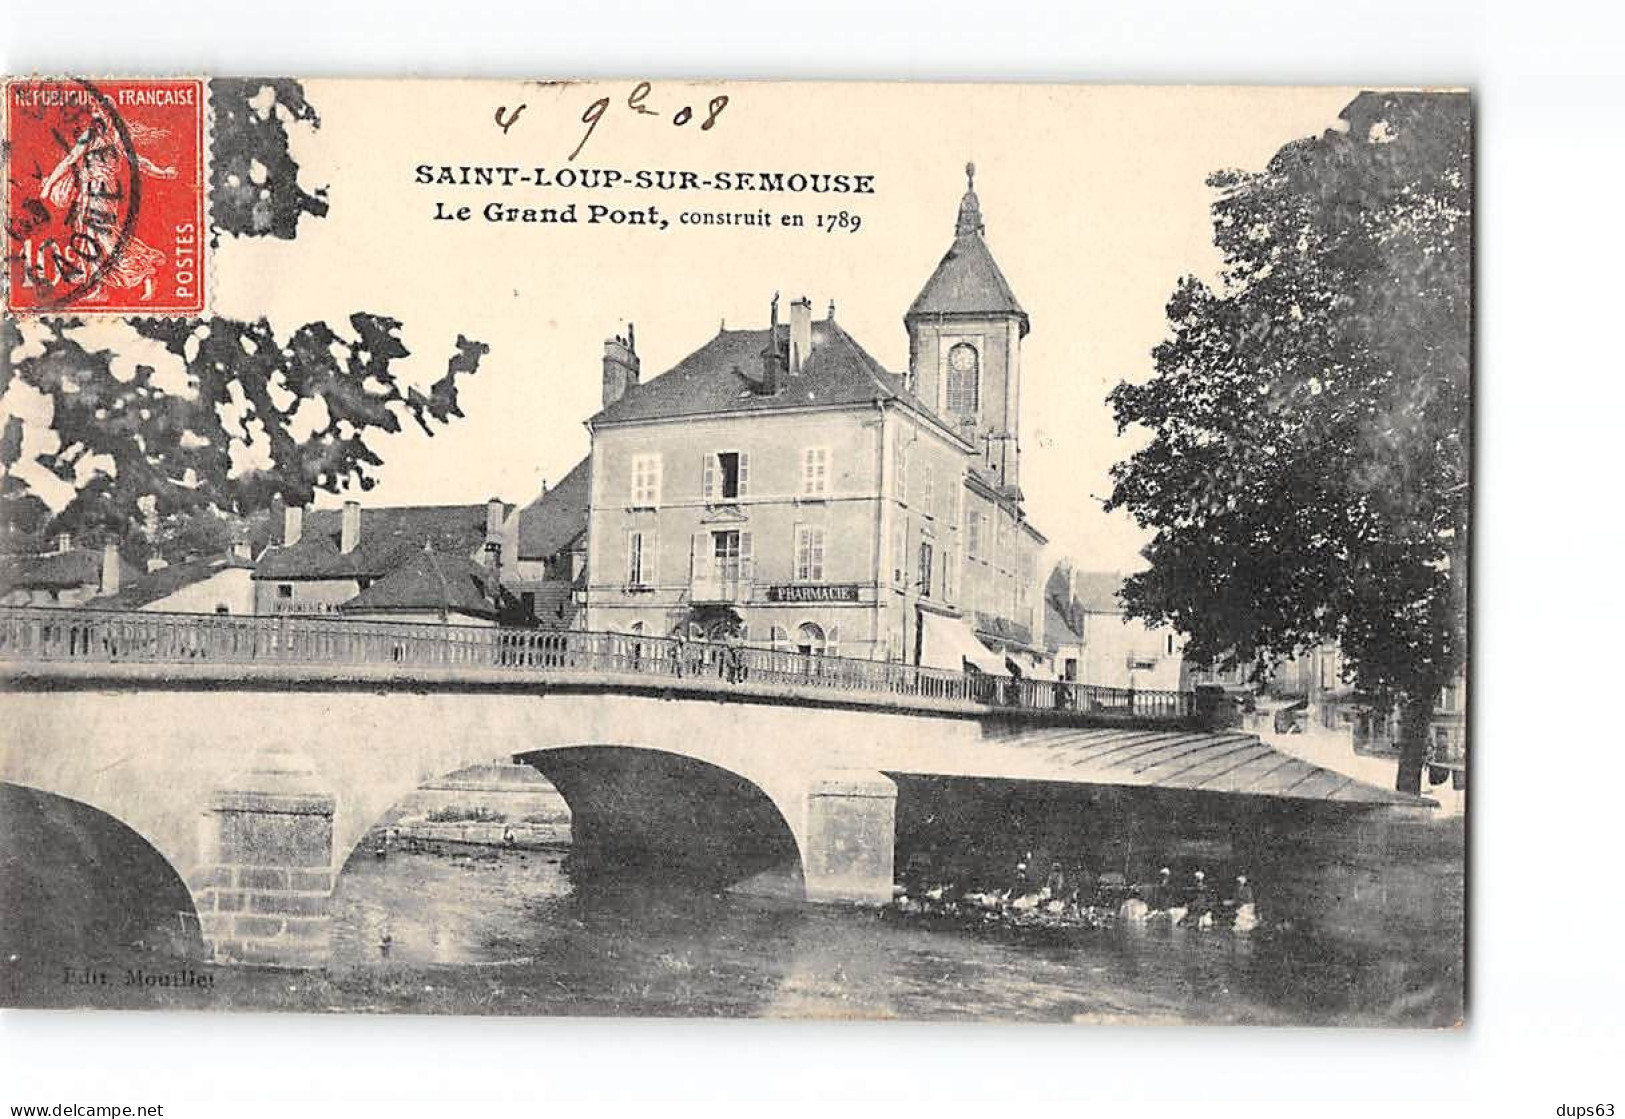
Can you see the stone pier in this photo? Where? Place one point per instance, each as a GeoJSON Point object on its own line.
{"type": "Point", "coordinates": [851, 835]}
{"type": "Point", "coordinates": [263, 895]}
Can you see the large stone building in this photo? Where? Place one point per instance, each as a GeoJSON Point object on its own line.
{"type": "Point", "coordinates": [780, 483]}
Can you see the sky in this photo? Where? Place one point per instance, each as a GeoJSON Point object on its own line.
{"type": "Point", "coordinates": [1094, 199]}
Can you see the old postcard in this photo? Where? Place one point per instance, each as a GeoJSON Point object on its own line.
{"type": "Point", "coordinates": [985, 552]}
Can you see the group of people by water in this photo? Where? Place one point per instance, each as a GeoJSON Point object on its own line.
{"type": "Point", "coordinates": [1080, 898]}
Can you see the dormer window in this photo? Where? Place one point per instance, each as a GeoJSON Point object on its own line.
{"type": "Point", "coordinates": [964, 381]}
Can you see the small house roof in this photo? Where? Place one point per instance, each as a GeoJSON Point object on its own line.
{"type": "Point", "coordinates": [432, 582]}
{"type": "Point", "coordinates": [1057, 630]}
{"type": "Point", "coordinates": [389, 536]}
{"type": "Point", "coordinates": [76, 567]}
{"type": "Point", "coordinates": [145, 589]}
{"type": "Point", "coordinates": [557, 518]}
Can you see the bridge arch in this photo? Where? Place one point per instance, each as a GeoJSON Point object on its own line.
{"type": "Point", "coordinates": [644, 810]}
{"type": "Point", "coordinates": [90, 882]}
{"type": "Point", "coordinates": [641, 810]}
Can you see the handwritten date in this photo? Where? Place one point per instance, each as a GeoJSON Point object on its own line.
{"type": "Point", "coordinates": [637, 103]}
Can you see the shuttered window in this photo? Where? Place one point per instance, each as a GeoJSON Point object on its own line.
{"type": "Point", "coordinates": [809, 553]}
{"type": "Point", "coordinates": [641, 553]}
{"type": "Point", "coordinates": [646, 481]}
{"type": "Point", "coordinates": [815, 471]}
{"type": "Point", "coordinates": [726, 475]}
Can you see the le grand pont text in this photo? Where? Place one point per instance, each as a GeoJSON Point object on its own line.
{"type": "Point", "coordinates": [594, 179]}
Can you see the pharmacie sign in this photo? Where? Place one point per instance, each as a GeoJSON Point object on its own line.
{"type": "Point", "coordinates": [822, 592]}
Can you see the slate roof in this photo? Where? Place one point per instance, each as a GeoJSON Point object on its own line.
{"type": "Point", "coordinates": [967, 282]}
{"type": "Point", "coordinates": [555, 604]}
{"type": "Point", "coordinates": [145, 589]}
{"type": "Point", "coordinates": [389, 537]}
{"type": "Point", "coordinates": [993, 628]}
{"type": "Point", "coordinates": [1057, 630]}
{"type": "Point", "coordinates": [1210, 761]}
{"type": "Point", "coordinates": [724, 375]}
{"type": "Point", "coordinates": [77, 567]}
{"type": "Point", "coordinates": [429, 582]}
{"type": "Point", "coordinates": [556, 519]}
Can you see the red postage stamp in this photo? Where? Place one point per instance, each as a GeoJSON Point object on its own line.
{"type": "Point", "coordinates": [105, 196]}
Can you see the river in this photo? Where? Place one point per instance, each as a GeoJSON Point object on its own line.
{"type": "Point", "coordinates": [494, 931]}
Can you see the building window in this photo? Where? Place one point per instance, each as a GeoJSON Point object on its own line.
{"type": "Point", "coordinates": [284, 590]}
{"type": "Point", "coordinates": [900, 469]}
{"type": "Point", "coordinates": [809, 553]}
{"type": "Point", "coordinates": [964, 377]}
{"type": "Point", "coordinates": [927, 564]}
{"type": "Point", "coordinates": [815, 471]}
{"type": "Point", "coordinates": [640, 559]}
{"type": "Point", "coordinates": [973, 534]}
{"type": "Point", "coordinates": [810, 640]}
{"type": "Point", "coordinates": [1170, 644]}
{"type": "Point", "coordinates": [730, 555]}
{"type": "Point", "coordinates": [899, 551]}
{"type": "Point", "coordinates": [947, 574]}
{"type": "Point", "coordinates": [720, 565]}
{"type": "Point", "coordinates": [221, 608]}
{"type": "Point", "coordinates": [727, 476]}
{"type": "Point", "coordinates": [928, 491]}
{"type": "Point", "coordinates": [645, 481]}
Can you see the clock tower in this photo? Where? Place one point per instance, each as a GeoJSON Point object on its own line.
{"type": "Point", "coordinates": [964, 346]}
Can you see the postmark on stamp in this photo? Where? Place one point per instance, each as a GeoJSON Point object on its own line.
{"type": "Point", "coordinates": [105, 196]}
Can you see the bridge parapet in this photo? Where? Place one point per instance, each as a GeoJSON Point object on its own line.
{"type": "Point", "coordinates": [298, 644]}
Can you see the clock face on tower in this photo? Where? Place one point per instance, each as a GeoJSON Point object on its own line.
{"type": "Point", "coordinates": [962, 358]}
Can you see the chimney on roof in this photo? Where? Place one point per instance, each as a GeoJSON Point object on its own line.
{"type": "Point", "coordinates": [772, 359]}
{"type": "Point", "coordinates": [241, 549]}
{"type": "Point", "coordinates": [110, 568]}
{"type": "Point", "coordinates": [800, 334]}
{"type": "Point", "coordinates": [350, 527]}
{"type": "Point", "coordinates": [293, 525]}
{"type": "Point", "coordinates": [620, 365]}
{"type": "Point", "coordinates": [494, 516]}
{"type": "Point", "coordinates": [64, 542]}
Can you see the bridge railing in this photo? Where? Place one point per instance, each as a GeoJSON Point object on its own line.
{"type": "Point", "coordinates": [108, 637]}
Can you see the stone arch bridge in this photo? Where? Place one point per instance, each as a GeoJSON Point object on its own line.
{"type": "Point", "coordinates": [253, 754]}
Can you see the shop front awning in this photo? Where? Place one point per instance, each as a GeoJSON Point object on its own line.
{"type": "Point", "coordinates": [949, 643]}
{"type": "Point", "coordinates": [1034, 669]}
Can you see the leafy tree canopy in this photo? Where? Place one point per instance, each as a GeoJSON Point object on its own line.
{"type": "Point", "coordinates": [187, 446]}
{"type": "Point", "coordinates": [1307, 471]}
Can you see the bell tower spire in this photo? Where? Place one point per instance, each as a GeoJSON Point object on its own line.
{"type": "Point", "coordinates": [970, 208]}
{"type": "Point", "coordinates": [964, 345]}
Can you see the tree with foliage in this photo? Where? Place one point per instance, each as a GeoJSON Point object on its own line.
{"type": "Point", "coordinates": [303, 408]}
{"type": "Point", "coordinates": [1307, 472]}
{"type": "Point", "coordinates": [239, 414]}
